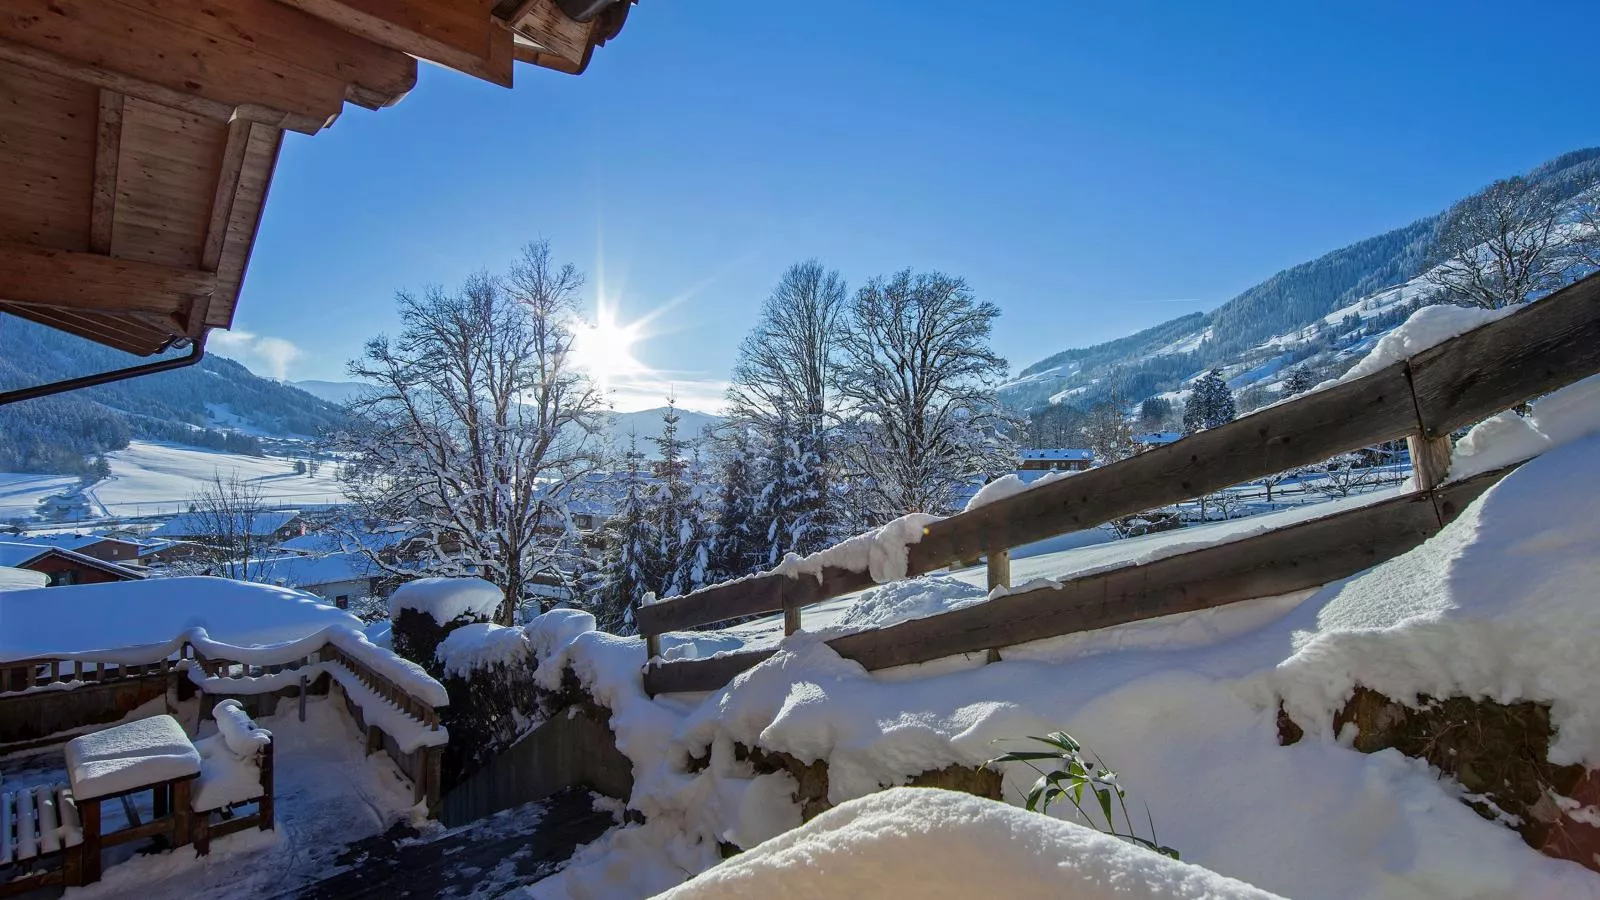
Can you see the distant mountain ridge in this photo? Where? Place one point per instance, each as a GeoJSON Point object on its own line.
{"type": "Point", "coordinates": [644, 425]}
{"type": "Point", "coordinates": [1375, 275]}
{"type": "Point", "coordinates": [216, 403]}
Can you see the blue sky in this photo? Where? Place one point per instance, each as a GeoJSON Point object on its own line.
{"type": "Point", "coordinates": [1093, 169]}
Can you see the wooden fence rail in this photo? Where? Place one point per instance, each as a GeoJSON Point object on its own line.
{"type": "Point", "coordinates": [1541, 347]}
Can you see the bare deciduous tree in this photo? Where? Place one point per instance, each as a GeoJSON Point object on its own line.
{"type": "Point", "coordinates": [227, 521]}
{"type": "Point", "coordinates": [477, 431]}
{"type": "Point", "coordinates": [919, 379]}
{"type": "Point", "coordinates": [1108, 432]}
{"type": "Point", "coordinates": [784, 381]}
{"type": "Point", "coordinates": [1499, 246]}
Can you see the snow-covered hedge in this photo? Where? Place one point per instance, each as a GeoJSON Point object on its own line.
{"type": "Point", "coordinates": [447, 599]}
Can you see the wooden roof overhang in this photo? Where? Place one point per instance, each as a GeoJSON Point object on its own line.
{"type": "Point", "coordinates": [138, 137]}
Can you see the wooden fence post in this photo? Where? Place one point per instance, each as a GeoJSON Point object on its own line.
{"type": "Point", "coordinates": [999, 576]}
{"type": "Point", "coordinates": [791, 618]}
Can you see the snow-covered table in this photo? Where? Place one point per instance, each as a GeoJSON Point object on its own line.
{"type": "Point", "coordinates": [150, 754]}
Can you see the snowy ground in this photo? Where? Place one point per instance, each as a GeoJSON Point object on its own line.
{"type": "Point", "coordinates": [156, 478]}
{"type": "Point", "coordinates": [328, 794]}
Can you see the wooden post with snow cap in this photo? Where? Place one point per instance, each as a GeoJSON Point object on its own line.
{"type": "Point", "coordinates": [1430, 453]}
{"type": "Point", "coordinates": [999, 576]}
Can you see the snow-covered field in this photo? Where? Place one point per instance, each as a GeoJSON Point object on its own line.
{"type": "Point", "coordinates": [21, 494]}
{"type": "Point", "coordinates": [158, 478]}
{"type": "Point", "coordinates": [150, 478]}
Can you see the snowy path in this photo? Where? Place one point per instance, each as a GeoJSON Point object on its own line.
{"type": "Point", "coordinates": [485, 859]}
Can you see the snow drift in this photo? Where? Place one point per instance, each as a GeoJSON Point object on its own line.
{"type": "Point", "coordinates": [939, 844]}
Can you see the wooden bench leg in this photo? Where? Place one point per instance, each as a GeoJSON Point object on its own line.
{"type": "Point", "coordinates": [182, 813]}
{"type": "Point", "coordinates": [89, 815]}
{"type": "Point", "coordinates": [160, 801]}
{"type": "Point", "coordinates": [202, 834]}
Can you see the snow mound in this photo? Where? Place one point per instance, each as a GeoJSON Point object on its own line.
{"type": "Point", "coordinates": [901, 601]}
{"type": "Point", "coordinates": [881, 552]}
{"type": "Point", "coordinates": [78, 619]}
{"type": "Point", "coordinates": [481, 645]}
{"type": "Point", "coordinates": [1427, 327]}
{"type": "Point", "coordinates": [447, 599]}
{"type": "Point", "coordinates": [935, 844]}
{"type": "Point", "coordinates": [1559, 418]}
{"type": "Point", "coordinates": [1500, 604]}
{"type": "Point", "coordinates": [1009, 486]}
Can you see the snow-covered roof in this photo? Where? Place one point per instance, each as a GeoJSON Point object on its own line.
{"type": "Point", "coordinates": [196, 524]}
{"type": "Point", "coordinates": [1058, 453]}
{"type": "Point", "coordinates": [1157, 438]}
{"type": "Point", "coordinates": [79, 618]}
{"type": "Point", "coordinates": [71, 541]}
{"type": "Point", "coordinates": [311, 571]}
{"type": "Point", "coordinates": [447, 599]}
{"type": "Point", "coordinates": [329, 542]}
{"type": "Point", "coordinates": [12, 554]}
{"type": "Point", "coordinates": [15, 554]}
{"type": "Point", "coordinates": [21, 579]}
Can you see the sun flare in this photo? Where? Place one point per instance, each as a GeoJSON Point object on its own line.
{"type": "Point", "coordinates": [604, 347]}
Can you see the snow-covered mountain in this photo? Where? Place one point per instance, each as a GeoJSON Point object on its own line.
{"type": "Point", "coordinates": [1322, 315]}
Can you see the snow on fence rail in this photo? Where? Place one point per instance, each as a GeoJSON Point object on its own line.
{"type": "Point", "coordinates": [1541, 347]}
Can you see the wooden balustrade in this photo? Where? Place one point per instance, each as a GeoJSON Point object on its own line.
{"type": "Point", "coordinates": [1541, 347]}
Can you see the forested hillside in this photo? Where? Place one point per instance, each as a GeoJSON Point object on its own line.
{"type": "Point", "coordinates": [1161, 358]}
{"type": "Point", "coordinates": [217, 403]}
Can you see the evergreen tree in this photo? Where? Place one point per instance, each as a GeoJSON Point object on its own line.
{"type": "Point", "coordinates": [774, 500]}
{"type": "Point", "coordinates": [734, 544]}
{"type": "Point", "coordinates": [1210, 404]}
{"type": "Point", "coordinates": [1298, 382]}
{"type": "Point", "coordinates": [625, 570]}
{"type": "Point", "coordinates": [680, 534]}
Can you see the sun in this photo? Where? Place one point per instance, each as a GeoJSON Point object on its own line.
{"type": "Point", "coordinates": [604, 347]}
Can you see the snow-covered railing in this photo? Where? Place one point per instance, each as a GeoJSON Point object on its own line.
{"type": "Point", "coordinates": [1422, 396]}
{"type": "Point", "coordinates": [393, 695]}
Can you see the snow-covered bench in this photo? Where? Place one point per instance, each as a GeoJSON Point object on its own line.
{"type": "Point", "coordinates": [41, 839]}
{"type": "Point", "coordinates": [235, 771]}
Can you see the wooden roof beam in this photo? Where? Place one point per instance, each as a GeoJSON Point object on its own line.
{"type": "Point", "coordinates": [458, 34]}
{"type": "Point", "coordinates": [113, 45]}
{"type": "Point", "coordinates": [375, 76]}
{"type": "Point", "coordinates": [107, 155]}
{"type": "Point", "coordinates": [543, 23]}
{"type": "Point", "coordinates": [65, 279]}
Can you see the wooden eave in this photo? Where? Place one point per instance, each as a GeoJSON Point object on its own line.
{"type": "Point", "coordinates": [138, 137]}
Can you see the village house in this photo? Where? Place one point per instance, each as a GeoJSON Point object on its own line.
{"type": "Point", "coordinates": [1055, 460]}
{"type": "Point", "coordinates": [99, 546]}
{"type": "Point", "coordinates": [63, 567]}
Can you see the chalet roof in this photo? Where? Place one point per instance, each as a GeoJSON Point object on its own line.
{"type": "Point", "coordinates": [140, 137]}
{"type": "Point", "coordinates": [313, 571]}
{"type": "Point", "coordinates": [71, 541]}
{"type": "Point", "coordinates": [1060, 453]}
{"type": "Point", "coordinates": [14, 555]}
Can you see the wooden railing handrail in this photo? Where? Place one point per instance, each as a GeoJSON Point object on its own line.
{"type": "Point", "coordinates": [1539, 348]}
{"type": "Point", "coordinates": [22, 674]}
